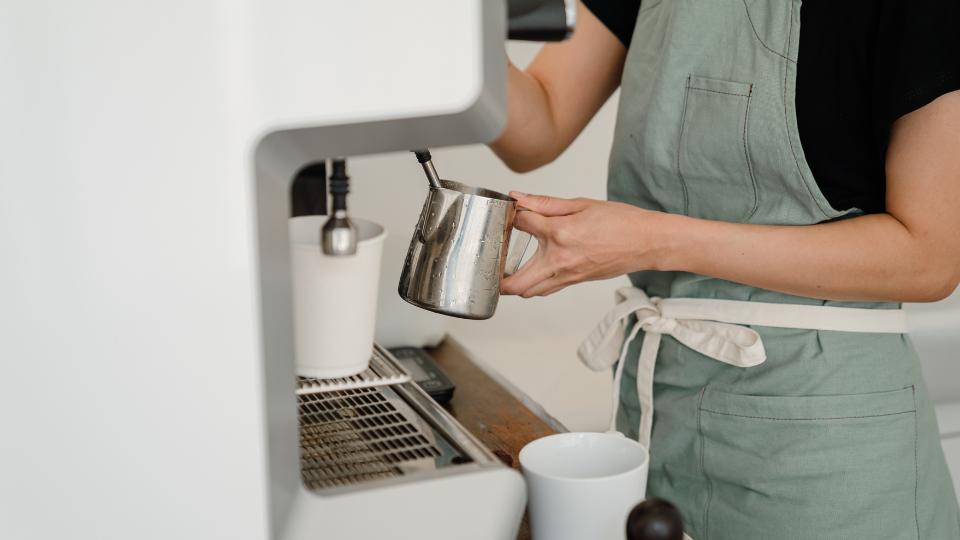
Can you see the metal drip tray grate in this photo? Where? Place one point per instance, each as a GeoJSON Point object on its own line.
{"type": "Point", "coordinates": [357, 435]}
{"type": "Point", "coordinates": [383, 371]}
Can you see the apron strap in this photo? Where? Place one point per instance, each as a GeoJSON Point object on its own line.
{"type": "Point", "coordinates": [712, 328]}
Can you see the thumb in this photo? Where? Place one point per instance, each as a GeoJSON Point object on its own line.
{"type": "Point", "coordinates": [549, 206]}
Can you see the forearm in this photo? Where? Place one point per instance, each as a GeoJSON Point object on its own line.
{"type": "Point", "coordinates": [530, 137]}
{"type": "Point", "coordinates": [910, 253]}
{"type": "Point", "coordinates": [550, 102]}
{"type": "Point", "coordinates": [874, 257]}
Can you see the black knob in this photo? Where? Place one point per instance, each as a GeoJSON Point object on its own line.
{"type": "Point", "coordinates": [540, 20]}
{"type": "Point", "coordinates": [339, 184]}
{"type": "Point", "coordinates": [654, 519]}
{"type": "Point", "coordinates": [423, 156]}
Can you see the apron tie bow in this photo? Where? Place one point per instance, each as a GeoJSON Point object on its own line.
{"type": "Point", "coordinates": [729, 343]}
{"type": "Point", "coordinates": [659, 325]}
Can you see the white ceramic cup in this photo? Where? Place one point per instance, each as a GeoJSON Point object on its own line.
{"type": "Point", "coordinates": [583, 485]}
{"type": "Point", "coordinates": [334, 299]}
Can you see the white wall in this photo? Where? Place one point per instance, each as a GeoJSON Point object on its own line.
{"type": "Point", "coordinates": [531, 344]}
{"type": "Point", "coordinates": [936, 334]}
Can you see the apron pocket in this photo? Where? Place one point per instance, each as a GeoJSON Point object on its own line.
{"type": "Point", "coordinates": [713, 157]}
{"type": "Point", "coordinates": [814, 467]}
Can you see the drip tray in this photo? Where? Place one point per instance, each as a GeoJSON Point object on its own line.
{"type": "Point", "coordinates": [362, 436]}
{"type": "Point", "coordinates": [351, 436]}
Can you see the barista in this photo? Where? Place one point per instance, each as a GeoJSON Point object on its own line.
{"type": "Point", "coordinates": [793, 173]}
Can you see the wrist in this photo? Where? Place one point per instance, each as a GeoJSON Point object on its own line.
{"type": "Point", "coordinates": [671, 241]}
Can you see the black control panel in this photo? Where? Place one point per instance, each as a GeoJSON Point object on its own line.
{"type": "Point", "coordinates": [426, 373]}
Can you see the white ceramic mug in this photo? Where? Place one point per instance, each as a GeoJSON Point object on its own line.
{"type": "Point", "coordinates": [583, 485]}
{"type": "Point", "coordinates": [334, 299]}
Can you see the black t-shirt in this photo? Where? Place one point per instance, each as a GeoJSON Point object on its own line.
{"type": "Point", "coordinates": [862, 65]}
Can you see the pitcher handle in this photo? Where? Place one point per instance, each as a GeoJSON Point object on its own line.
{"type": "Point", "coordinates": [519, 242]}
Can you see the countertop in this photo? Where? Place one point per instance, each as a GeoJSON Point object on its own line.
{"type": "Point", "coordinates": [530, 347]}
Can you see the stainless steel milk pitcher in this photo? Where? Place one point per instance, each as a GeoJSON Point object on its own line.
{"type": "Point", "coordinates": [460, 250]}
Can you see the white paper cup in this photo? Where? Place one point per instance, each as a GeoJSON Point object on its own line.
{"type": "Point", "coordinates": [583, 485]}
{"type": "Point", "coordinates": [334, 299]}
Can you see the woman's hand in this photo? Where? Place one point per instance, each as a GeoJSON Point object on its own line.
{"type": "Point", "coordinates": [583, 240]}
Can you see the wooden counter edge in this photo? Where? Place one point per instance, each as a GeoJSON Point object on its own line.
{"type": "Point", "coordinates": [485, 408]}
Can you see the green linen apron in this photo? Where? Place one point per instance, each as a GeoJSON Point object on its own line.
{"type": "Point", "coordinates": [833, 435]}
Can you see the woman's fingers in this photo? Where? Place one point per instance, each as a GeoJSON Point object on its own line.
{"type": "Point", "coordinates": [535, 271]}
{"type": "Point", "coordinates": [537, 268]}
{"type": "Point", "coordinates": [549, 219]}
{"type": "Point", "coordinates": [547, 286]}
{"type": "Point", "coordinates": [549, 206]}
{"type": "Point", "coordinates": [532, 223]}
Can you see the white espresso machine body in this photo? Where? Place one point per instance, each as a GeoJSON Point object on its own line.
{"type": "Point", "coordinates": [145, 313]}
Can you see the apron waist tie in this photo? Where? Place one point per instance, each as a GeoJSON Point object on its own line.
{"type": "Point", "coordinates": [712, 328]}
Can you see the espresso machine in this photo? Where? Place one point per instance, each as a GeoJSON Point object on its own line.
{"type": "Point", "coordinates": [146, 334]}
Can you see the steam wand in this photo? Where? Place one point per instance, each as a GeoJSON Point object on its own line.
{"type": "Point", "coordinates": [423, 156]}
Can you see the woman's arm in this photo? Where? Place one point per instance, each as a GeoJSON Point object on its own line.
{"type": "Point", "coordinates": [550, 103]}
{"type": "Point", "coordinates": [911, 253]}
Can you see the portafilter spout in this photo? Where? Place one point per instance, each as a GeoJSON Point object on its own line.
{"type": "Point", "coordinates": [338, 237]}
{"type": "Point", "coordinates": [423, 156]}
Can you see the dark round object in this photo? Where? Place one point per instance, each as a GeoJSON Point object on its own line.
{"type": "Point", "coordinates": [654, 519]}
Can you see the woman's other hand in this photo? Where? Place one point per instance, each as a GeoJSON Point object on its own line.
{"type": "Point", "coordinates": [584, 240]}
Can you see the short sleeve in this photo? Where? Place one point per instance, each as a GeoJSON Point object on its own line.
{"type": "Point", "coordinates": [917, 58]}
{"type": "Point", "coordinates": [619, 16]}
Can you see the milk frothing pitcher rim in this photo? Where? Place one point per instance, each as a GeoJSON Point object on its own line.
{"type": "Point", "coordinates": [465, 189]}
